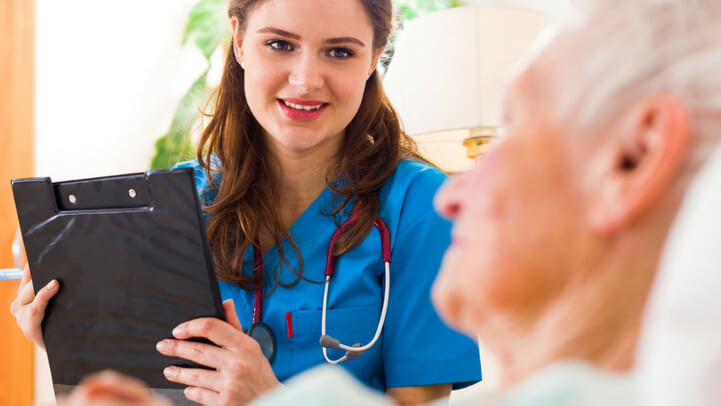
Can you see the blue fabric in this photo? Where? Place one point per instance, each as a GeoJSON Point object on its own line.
{"type": "Point", "coordinates": [415, 348]}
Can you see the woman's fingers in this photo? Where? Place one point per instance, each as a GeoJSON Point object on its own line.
{"type": "Point", "coordinates": [203, 354]}
{"type": "Point", "coordinates": [218, 331]}
{"type": "Point", "coordinates": [26, 294]}
{"type": "Point", "coordinates": [25, 279]}
{"type": "Point", "coordinates": [202, 396]}
{"type": "Point", "coordinates": [241, 371]}
{"type": "Point", "coordinates": [230, 315]}
{"type": "Point", "coordinates": [40, 303]}
{"type": "Point", "coordinates": [29, 309]}
{"type": "Point", "coordinates": [197, 377]}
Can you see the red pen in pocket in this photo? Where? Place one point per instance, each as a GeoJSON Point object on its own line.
{"type": "Point", "coordinates": [289, 323]}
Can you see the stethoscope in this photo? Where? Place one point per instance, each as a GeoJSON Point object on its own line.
{"type": "Point", "coordinates": [262, 333]}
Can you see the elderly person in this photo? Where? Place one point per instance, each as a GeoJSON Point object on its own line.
{"type": "Point", "coordinates": [574, 207]}
{"type": "Point", "coordinates": [558, 231]}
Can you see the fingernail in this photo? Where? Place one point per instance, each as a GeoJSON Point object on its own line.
{"type": "Point", "coordinates": [161, 346]}
{"type": "Point", "coordinates": [169, 371]}
{"type": "Point", "coordinates": [177, 331]}
{"type": "Point", "coordinates": [53, 284]}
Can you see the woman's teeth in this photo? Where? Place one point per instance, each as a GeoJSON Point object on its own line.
{"type": "Point", "coordinates": [300, 107]}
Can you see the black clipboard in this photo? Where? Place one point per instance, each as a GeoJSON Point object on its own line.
{"type": "Point", "coordinates": [132, 258]}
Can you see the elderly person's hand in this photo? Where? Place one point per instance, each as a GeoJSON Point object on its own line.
{"type": "Point", "coordinates": [240, 372]}
{"type": "Point", "coordinates": [112, 389]}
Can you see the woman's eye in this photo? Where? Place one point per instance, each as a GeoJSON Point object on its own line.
{"type": "Point", "coordinates": [279, 45]}
{"type": "Point", "coordinates": [340, 53]}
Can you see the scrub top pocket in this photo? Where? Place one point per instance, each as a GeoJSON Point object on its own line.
{"type": "Point", "coordinates": [349, 325]}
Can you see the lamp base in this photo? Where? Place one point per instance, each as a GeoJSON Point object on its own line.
{"type": "Point", "coordinates": [479, 141]}
{"type": "Point", "coordinates": [455, 151]}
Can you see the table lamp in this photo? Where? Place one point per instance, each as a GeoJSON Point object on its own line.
{"type": "Point", "coordinates": [447, 76]}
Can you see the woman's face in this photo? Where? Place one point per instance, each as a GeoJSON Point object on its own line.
{"type": "Point", "coordinates": [306, 64]}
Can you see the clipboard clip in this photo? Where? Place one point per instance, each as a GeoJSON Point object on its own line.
{"type": "Point", "coordinates": [117, 192]}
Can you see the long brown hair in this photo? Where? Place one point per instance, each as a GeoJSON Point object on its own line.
{"type": "Point", "coordinates": [373, 145]}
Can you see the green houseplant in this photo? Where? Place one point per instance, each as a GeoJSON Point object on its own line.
{"type": "Point", "coordinates": [208, 28]}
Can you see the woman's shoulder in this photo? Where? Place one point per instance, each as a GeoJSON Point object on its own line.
{"type": "Point", "coordinates": [415, 177]}
{"type": "Point", "coordinates": [202, 181]}
{"type": "Point", "coordinates": [411, 168]}
{"type": "Point", "coordinates": [408, 194]}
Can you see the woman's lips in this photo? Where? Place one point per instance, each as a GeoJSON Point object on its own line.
{"type": "Point", "coordinates": [301, 115]}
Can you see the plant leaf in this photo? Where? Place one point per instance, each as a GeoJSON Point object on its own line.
{"type": "Point", "coordinates": [208, 25]}
{"type": "Point", "coordinates": [410, 9]}
{"type": "Point", "coordinates": [176, 145]}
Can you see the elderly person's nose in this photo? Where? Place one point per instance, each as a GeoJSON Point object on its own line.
{"type": "Point", "coordinates": [449, 199]}
{"type": "Point", "coordinates": [306, 74]}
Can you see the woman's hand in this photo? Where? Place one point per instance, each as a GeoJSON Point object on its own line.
{"type": "Point", "coordinates": [29, 309]}
{"type": "Point", "coordinates": [112, 389]}
{"type": "Point", "coordinates": [241, 371]}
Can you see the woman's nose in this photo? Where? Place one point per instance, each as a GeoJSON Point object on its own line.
{"type": "Point", "coordinates": [449, 198]}
{"type": "Point", "coordinates": [306, 74]}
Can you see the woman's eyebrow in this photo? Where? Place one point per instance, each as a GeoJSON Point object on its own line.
{"type": "Point", "coordinates": [339, 40]}
{"type": "Point", "coordinates": [278, 31]}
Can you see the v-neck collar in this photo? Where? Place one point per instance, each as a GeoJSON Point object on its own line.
{"type": "Point", "coordinates": [320, 206]}
{"type": "Point", "coordinates": [305, 231]}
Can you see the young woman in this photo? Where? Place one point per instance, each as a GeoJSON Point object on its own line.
{"type": "Point", "coordinates": [303, 143]}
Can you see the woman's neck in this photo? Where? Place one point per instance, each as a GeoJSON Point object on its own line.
{"type": "Point", "coordinates": [301, 176]}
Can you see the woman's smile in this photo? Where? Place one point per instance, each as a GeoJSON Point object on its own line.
{"type": "Point", "coordinates": [302, 110]}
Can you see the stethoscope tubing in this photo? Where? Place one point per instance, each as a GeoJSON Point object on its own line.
{"type": "Point", "coordinates": [379, 329]}
{"type": "Point", "coordinates": [328, 341]}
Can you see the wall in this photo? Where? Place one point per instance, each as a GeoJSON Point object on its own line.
{"type": "Point", "coordinates": [17, 18]}
{"type": "Point", "coordinates": [555, 8]}
{"type": "Point", "coordinates": [109, 76]}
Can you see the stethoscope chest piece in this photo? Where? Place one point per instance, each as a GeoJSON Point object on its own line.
{"type": "Point", "coordinates": [262, 333]}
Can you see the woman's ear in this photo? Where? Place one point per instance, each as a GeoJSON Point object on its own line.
{"type": "Point", "coordinates": [644, 158]}
{"type": "Point", "coordinates": [237, 41]}
{"type": "Point", "coordinates": [374, 62]}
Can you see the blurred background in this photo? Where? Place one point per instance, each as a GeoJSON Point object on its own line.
{"type": "Point", "coordinates": [92, 88]}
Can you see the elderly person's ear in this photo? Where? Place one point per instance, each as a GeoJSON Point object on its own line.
{"type": "Point", "coordinates": [641, 162]}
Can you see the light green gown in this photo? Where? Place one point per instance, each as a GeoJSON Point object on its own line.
{"type": "Point", "coordinates": [562, 384]}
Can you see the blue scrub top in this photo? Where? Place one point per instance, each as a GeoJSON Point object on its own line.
{"type": "Point", "coordinates": [415, 347]}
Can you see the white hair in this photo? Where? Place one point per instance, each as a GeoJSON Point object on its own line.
{"type": "Point", "coordinates": [633, 49]}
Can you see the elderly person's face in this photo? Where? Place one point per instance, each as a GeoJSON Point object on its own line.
{"type": "Point", "coordinates": [551, 204]}
{"type": "Point", "coordinates": [515, 218]}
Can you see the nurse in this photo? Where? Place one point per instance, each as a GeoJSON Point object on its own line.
{"type": "Point", "coordinates": [302, 138]}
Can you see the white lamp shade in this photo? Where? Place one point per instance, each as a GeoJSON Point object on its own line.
{"type": "Point", "coordinates": [450, 67]}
